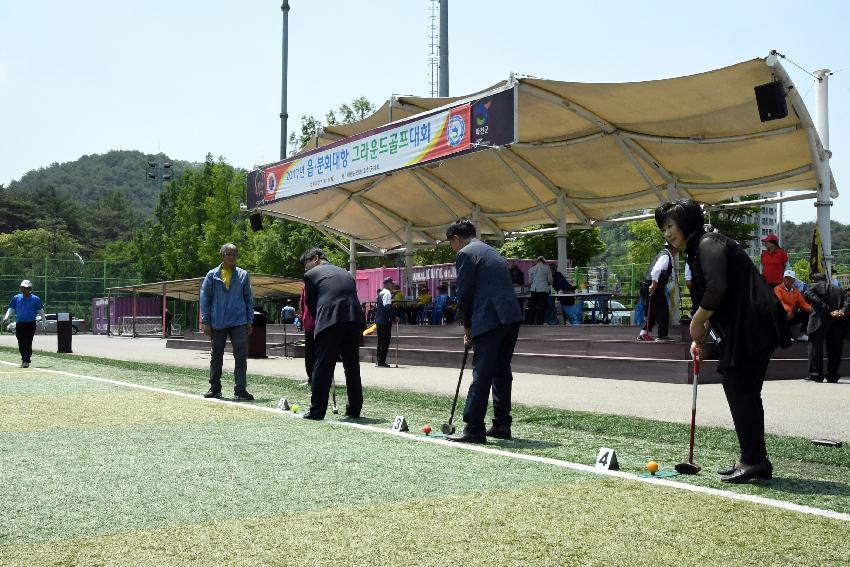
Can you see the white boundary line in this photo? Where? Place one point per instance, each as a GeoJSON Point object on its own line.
{"type": "Point", "coordinates": [773, 503]}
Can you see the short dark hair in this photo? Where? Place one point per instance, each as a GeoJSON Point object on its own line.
{"type": "Point", "coordinates": [462, 228]}
{"type": "Point", "coordinates": [311, 253]}
{"type": "Point", "coordinates": [685, 213]}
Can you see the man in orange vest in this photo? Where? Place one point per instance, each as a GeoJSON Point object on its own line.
{"type": "Point", "coordinates": [796, 306]}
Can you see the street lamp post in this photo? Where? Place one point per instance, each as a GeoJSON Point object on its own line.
{"type": "Point", "coordinates": [159, 173]}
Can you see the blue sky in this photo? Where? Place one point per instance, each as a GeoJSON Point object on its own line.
{"type": "Point", "coordinates": [190, 78]}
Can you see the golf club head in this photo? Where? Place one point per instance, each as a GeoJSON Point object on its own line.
{"type": "Point", "coordinates": [448, 429]}
{"type": "Point", "coordinates": [688, 468]}
{"type": "Point", "coordinates": [335, 410]}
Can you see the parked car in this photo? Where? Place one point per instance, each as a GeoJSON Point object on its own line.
{"type": "Point", "coordinates": [618, 313]}
{"type": "Point", "coordinates": [77, 325]}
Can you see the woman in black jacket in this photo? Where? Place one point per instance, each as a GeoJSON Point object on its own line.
{"type": "Point", "coordinates": [741, 308]}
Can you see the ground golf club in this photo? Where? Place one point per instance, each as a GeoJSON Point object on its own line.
{"type": "Point", "coordinates": [334, 409]}
{"type": "Point", "coordinates": [448, 428]}
{"type": "Point", "coordinates": [690, 467]}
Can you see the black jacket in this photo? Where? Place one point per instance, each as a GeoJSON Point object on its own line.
{"type": "Point", "coordinates": [332, 297]}
{"type": "Point", "coordinates": [825, 298]}
{"type": "Point", "coordinates": [487, 298]}
{"type": "Point", "coordinates": [747, 314]}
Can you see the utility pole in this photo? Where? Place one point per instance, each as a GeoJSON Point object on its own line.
{"type": "Point", "coordinates": [444, 48]}
{"type": "Point", "coordinates": [285, 56]}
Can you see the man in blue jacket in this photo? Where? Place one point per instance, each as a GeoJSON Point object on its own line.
{"type": "Point", "coordinates": [227, 310]}
{"type": "Point", "coordinates": [491, 320]}
{"type": "Point", "coordinates": [27, 308]}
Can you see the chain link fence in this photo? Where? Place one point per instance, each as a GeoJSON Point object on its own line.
{"type": "Point", "coordinates": [63, 285]}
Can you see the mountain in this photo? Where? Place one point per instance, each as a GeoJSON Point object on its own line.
{"type": "Point", "coordinates": [94, 177]}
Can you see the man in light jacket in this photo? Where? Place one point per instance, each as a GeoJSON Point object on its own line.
{"type": "Point", "coordinates": [227, 310]}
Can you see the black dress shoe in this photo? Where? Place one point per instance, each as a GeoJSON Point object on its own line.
{"type": "Point", "coordinates": [746, 473]}
{"type": "Point", "coordinates": [833, 378]}
{"type": "Point", "coordinates": [464, 437]}
{"type": "Point", "coordinates": [382, 365]}
{"type": "Point", "coordinates": [243, 395]}
{"type": "Point", "coordinates": [213, 393]}
{"type": "Point", "coordinates": [351, 412]}
{"type": "Point", "coordinates": [313, 417]}
{"type": "Point", "coordinates": [729, 470]}
{"type": "Point", "coordinates": [815, 378]}
{"type": "Point", "coordinates": [499, 432]}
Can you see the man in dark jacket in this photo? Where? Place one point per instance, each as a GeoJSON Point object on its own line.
{"type": "Point", "coordinates": [331, 294]}
{"type": "Point", "coordinates": [825, 326]}
{"type": "Point", "coordinates": [384, 317]}
{"type": "Point", "coordinates": [491, 320]}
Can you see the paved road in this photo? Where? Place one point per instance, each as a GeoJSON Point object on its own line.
{"type": "Point", "coordinates": [792, 407]}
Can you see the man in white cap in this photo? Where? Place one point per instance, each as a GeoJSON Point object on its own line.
{"type": "Point", "coordinates": [28, 308]}
{"type": "Point", "coordinates": [797, 309]}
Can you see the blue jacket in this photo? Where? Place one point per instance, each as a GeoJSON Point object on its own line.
{"type": "Point", "coordinates": [487, 298]}
{"type": "Point", "coordinates": [223, 308]}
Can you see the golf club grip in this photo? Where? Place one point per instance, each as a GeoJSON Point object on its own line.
{"type": "Point", "coordinates": [459, 380]}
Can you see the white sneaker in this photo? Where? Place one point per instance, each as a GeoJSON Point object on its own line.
{"type": "Point", "coordinates": [803, 338]}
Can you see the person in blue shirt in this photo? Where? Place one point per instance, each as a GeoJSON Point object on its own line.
{"type": "Point", "coordinates": [28, 308]}
{"type": "Point", "coordinates": [227, 309]}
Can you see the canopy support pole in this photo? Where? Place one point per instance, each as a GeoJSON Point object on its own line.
{"type": "Point", "coordinates": [824, 201]}
{"type": "Point", "coordinates": [562, 234]}
{"type": "Point", "coordinates": [476, 220]}
{"type": "Point", "coordinates": [408, 259]}
{"type": "Point", "coordinates": [352, 257]}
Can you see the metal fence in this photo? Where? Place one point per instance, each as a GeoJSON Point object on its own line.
{"type": "Point", "coordinates": [63, 285]}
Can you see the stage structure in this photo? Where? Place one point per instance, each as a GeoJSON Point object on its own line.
{"type": "Point", "coordinates": [533, 151]}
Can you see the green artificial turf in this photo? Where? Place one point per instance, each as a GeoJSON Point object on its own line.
{"type": "Point", "coordinates": [95, 473]}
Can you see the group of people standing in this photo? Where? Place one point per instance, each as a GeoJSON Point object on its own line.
{"type": "Point", "coordinates": [334, 322]}
{"type": "Point", "coordinates": [730, 296]}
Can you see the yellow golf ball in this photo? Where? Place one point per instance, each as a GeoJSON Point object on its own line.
{"type": "Point", "coordinates": [652, 467]}
{"type": "Point", "coordinates": [295, 408]}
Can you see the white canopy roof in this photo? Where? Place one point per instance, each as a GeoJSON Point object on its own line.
{"type": "Point", "coordinates": [583, 153]}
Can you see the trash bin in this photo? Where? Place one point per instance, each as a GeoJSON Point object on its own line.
{"type": "Point", "coordinates": [257, 340]}
{"type": "Point", "coordinates": [64, 332]}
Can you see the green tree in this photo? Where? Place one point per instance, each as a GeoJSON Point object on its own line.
{"type": "Point", "coordinates": [646, 241]}
{"type": "Point", "coordinates": [38, 243]}
{"type": "Point", "coordinates": [582, 245]}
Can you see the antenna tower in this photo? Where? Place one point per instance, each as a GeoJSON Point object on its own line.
{"type": "Point", "coordinates": [434, 47]}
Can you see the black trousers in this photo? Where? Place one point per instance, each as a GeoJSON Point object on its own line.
{"type": "Point", "coordinates": [342, 339]}
{"type": "Point", "coordinates": [385, 335]}
{"type": "Point", "coordinates": [658, 313]}
{"type": "Point", "coordinates": [538, 303]}
{"type": "Point", "coordinates": [309, 354]}
{"type": "Point", "coordinates": [491, 369]}
{"type": "Point", "coordinates": [24, 332]}
{"type": "Point", "coordinates": [800, 317]}
{"type": "Point", "coordinates": [830, 333]}
{"type": "Point", "coordinates": [742, 386]}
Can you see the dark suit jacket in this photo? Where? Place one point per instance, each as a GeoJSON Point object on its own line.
{"type": "Point", "coordinates": [485, 289]}
{"type": "Point", "coordinates": [332, 297]}
{"type": "Point", "coordinates": [825, 298]}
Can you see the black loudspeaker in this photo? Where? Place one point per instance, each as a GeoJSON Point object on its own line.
{"type": "Point", "coordinates": [770, 99]}
{"type": "Point", "coordinates": [256, 222]}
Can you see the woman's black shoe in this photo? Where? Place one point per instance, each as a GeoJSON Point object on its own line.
{"type": "Point", "coordinates": [745, 473]}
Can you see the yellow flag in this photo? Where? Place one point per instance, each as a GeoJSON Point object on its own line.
{"type": "Point", "coordinates": [816, 262]}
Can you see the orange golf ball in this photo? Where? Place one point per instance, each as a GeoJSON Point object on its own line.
{"type": "Point", "coordinates": [652, 467]}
